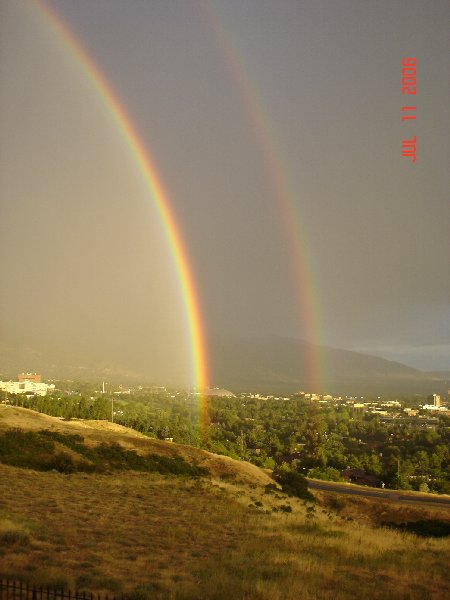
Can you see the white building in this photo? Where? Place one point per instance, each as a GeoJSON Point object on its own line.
{"type": "Point", "coordinates": [30, 388]}
{"type": "Point", "coordinates": [433, 407]}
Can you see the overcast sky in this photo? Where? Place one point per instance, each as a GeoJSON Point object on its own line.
{"type": "Point", "coordinates": [228, 96]}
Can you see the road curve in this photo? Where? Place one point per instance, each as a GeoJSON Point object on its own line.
{"type": "Point", "coordinates": [390, 495]}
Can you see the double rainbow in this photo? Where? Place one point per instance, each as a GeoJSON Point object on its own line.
{"type": "Point", "coordinates": [278, 176]}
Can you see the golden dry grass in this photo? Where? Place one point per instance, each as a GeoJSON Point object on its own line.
{"type": "Point", "coordinates": [158, 537]}
{"type": "Point", "coordinates": [178, 538]}
{"type": "Point", "coordinates": [96, 432]}
{"type": "Point", "coordinates": [105, 532]}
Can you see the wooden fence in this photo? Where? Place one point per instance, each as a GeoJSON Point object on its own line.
{"type": "Point", "coordinates": [17, 590]}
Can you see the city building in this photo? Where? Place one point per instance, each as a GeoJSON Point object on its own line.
{"type": "Point", "coordinates": [29, 388]}
{"type": "Point", "coordinates": [35, 377]}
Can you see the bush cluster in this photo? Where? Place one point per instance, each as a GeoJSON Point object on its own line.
{"type": "Point", "coordinates": [39, 451]}
{"type": "Point", "coordinates": [293, 484]}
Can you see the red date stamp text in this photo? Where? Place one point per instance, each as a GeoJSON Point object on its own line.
{"type": "Point", "coordinates": [409, 87]}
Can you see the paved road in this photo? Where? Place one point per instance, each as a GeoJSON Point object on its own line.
{"type": "Point", "coordinates": [390, 495]}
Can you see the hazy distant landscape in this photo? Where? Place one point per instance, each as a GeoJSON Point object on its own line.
{"type": "Point", "coordinates": [272, 364]}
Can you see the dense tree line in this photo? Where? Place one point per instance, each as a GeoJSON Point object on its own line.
{"type": "Point", "coordinates": [323, 441]}
{"type": "Point", "coordinates": [318, 440]}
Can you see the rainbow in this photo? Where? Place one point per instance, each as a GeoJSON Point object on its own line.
{"type": "Point", "coordinates": [153, 184]}
{"type": "Point", "coordinates": [282, 187]}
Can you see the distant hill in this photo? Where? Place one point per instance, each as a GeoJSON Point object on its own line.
{"type": "Point", "coordinates": [277, 364]}
{"type": "Point", "coordinates": [69, 364]}
{"type": "Point", "coordinates": [267, 364]}
{"type": "Point", "coordinates": [440, 375]}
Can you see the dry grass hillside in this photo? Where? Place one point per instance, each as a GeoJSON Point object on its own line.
{"type": "Point", "coordinates": [96, 432]}
{"type": "Point", "coordinates": [150, 536]}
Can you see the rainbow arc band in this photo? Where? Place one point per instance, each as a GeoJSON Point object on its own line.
{"type": "Point", "coordinates": [153, 182]}
{"type": "Point", "coordinates": [283, 190]}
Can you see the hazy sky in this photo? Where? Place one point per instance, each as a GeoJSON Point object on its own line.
{"type": "Point", "coordinates": [214, 88]}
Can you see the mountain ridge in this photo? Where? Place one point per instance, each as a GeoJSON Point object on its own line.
{"type": "Point", "coordinates": [270, 364]}
{"type": "Point", "coordinates": [276, 363]}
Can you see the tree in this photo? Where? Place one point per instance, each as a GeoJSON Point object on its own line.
{"type": "Point", "coordinates": [372, 464]}
{"type": "Point", "coordinates": [325, 473]}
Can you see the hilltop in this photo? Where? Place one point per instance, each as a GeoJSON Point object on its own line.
{"type": "Point", "coordinates": [96, 432]}
{"type": "Point", "coordinates": [228, 533]}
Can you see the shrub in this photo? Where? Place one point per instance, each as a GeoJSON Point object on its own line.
{"type": "Point", "coordinates": [37, 450]}
{"type": "Point", "coordinates": [25, 449]}
{"type": "Point", "coordinates": [61, 462]}
{"type": "Point", "coordinates": [72, 441]}
{"type": "Point", "coordinates": [294, 484]}
{"type": "Point", "coordinates": [14, 537]}
{"type": "Point", "coordinates": [310, 512]}
{"type": "Point", "coordinates": [430, 528]}
{"type": "Point", "coordinates": [336, 503]}
{"type": "Point", "coordinates": [270, 488]}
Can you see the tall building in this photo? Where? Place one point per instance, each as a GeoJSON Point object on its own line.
{"type": "Point", "coordinates": [436, 400]}
{"type": "Point", "coordinates": [34, 377]}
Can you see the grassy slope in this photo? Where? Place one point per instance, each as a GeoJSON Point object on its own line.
{"type": "Point", "coordinates": [177, 537]}
{"type": "Point", "coordinates": [95, 432]}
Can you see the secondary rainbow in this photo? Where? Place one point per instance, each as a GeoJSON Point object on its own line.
{"type": "Point", "coordinates": [153, 182]}
{"type": "Point", "coordinates": [282, 186]}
